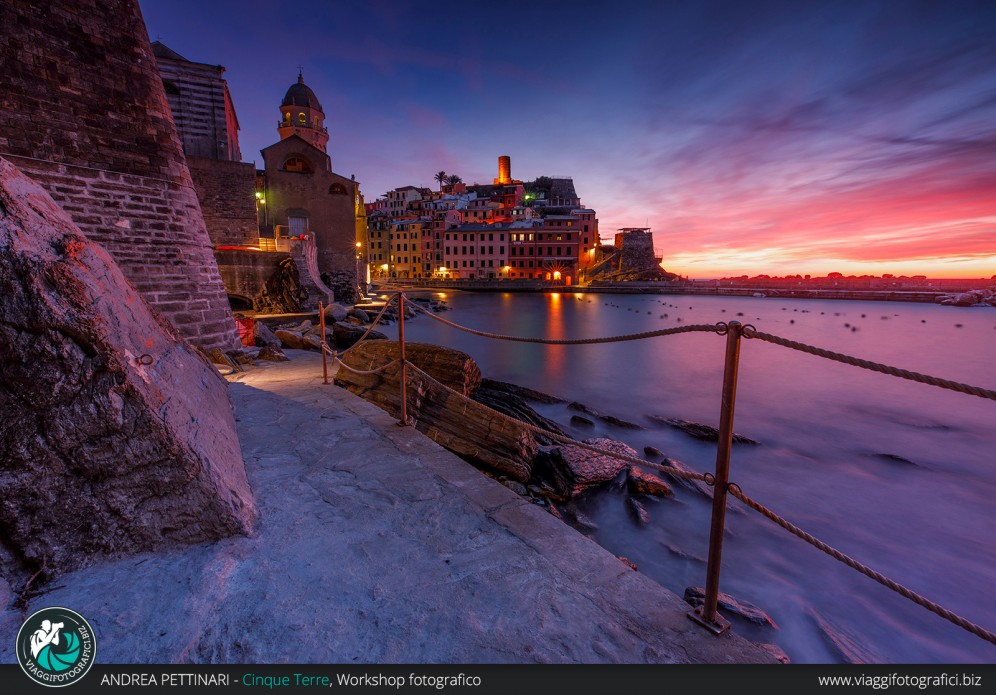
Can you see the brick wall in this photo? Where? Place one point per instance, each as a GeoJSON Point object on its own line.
{"type": "Point", "coordinates": [227, 194]}
{"type": "Point", "coordinates": [83, 112]}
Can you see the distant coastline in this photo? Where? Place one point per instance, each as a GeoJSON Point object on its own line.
{"type": "Point", "coordinates": [929, 292]}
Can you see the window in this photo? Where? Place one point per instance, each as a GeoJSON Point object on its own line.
{"type": "Point", "coordinates": [337, 189]}
{"type": "Point", "coordinates": [298, 164]}
{"type": "Point", "coordinates": [501, 250]}
{"type": "Point", "coordinates": [302, 119]}
{"type": "Point", "coordinates": [297, 225]}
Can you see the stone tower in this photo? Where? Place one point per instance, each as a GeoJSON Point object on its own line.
{"type": "Point", "coordinates": [301, 114]}
{"type": "Point", "coordinates": [84, 113]}
{"type": "Point", "coordinates": [504, 170]}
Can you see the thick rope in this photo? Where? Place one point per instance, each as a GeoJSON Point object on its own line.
{"type": "Point", "coordinates": [693, 328]}
{"type": "Point", "coordinates": [376, 320]}
{"type": "Point", "coordinates": [673, 472]}
{"type": "Point", "coordinates": [751, 332]}
{"type": "Point", "coordinates": [864, 569]}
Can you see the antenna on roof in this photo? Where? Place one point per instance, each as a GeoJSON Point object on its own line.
{"type": "Point", "coordinates": [300, 74]}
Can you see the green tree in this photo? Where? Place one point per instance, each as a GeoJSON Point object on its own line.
{"type": "Point", "coordinates": [453, 179]}
{"type": "Point", "coordinates": [441, 178]}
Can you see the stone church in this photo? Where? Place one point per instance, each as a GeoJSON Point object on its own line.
{"type": "Point", "coordinates": [305, 197]}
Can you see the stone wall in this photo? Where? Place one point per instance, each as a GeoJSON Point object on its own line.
{"type": "Point", "coordinates": [226, 191]}
{"type": "Point", "coordinates": [637, 251]}
{"type": "Point", "coordinates": [84, 113]}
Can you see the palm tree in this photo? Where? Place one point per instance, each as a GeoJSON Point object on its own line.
{"type": "Point", "coordinates": [441, 178]}
{"type": "Point", "coordinates": [453, 180]}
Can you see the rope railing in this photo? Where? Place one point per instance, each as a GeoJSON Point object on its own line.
{"type": "Point", "coordinates": [733, 331]}
{"type": "Point", "coordinates": [752, 333]}
{"type": "Point", "coordinates": [931, 606]}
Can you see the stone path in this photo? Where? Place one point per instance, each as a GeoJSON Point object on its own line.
{"type": "Point", "coordinates": [376, 545]}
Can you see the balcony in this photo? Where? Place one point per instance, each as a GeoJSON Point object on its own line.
{"type": "Point", "coordinates": [292, 124]}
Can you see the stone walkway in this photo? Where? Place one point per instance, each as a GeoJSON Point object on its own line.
{"type": "Point", "coordinates": [376, 545]}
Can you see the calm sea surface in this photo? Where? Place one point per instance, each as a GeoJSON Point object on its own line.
{"type": "Point", "coordinates": [829, 434]}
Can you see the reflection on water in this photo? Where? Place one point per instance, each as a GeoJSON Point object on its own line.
{"type": "Point", "coordinates": [899, 475]}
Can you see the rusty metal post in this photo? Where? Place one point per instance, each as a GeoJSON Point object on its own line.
{"type": "Point", "coordinates": [707, 615]}
{"type": "Point", "coordinates": [325, 359]}
{"type": "Point", "coordinates": [404, 363]}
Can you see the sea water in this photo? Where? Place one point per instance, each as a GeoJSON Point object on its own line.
{"type": "Point", "coordinates": [899, 475]}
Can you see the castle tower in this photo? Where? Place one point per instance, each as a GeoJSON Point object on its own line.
{"type": "Point", "coordinates": [301, 114]}
{"type": "Point", "coordinates": [504, 170]}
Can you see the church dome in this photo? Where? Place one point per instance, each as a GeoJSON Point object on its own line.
{"type": "Point", "coordinates": [300, 94]}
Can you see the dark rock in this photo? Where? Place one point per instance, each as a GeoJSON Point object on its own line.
{"type": "Point", "coordinates": [457, 423]}
{"type": "Point", "coordinates": [610, 419]}
{"type": "Point", "coordinates": [312, 342]}
{"type": "Point", "coordinates": [683, 554]}
{"type": "Point", "coordinates": [336, 312]}
{"type": "Point", "coordinates": [572, 469]}
{"type": "Point", "coordinates": [117, 435]}
{"type": "Point", "coordinates": [652, 452]}
{"type": "Point", "coordinates": [516, 487]}
{"type": "Point", "coordinates": [581, 421]}
{"type": "Point", "coordinates": [363, 316]}
{"type": "Point", "coordinates": [893, 458]}
{"type": "Point", "coordinates": [644, 482]}
{"type": "Point", "coordinates": [695, 596]}
{"type": "Point", "coordinates": [271, 354]}
{"type": "Point", "coordinates": [264, 336]}
{"type": "Point", "coordinates": [698, 430]}
{"type": "Point", "coordinates": [553, 510]}
{"type": "Point", "coordinates": [522, 392]}
{"type": "Point", "coordinates": [218, 357]}
{"type": "Point", "coordinates": [505, 401]}
{"type": "Point", "coordinates": [346, 336]}
{"type": "Point", "coordinates": [638, 511]}
{"type": "Point", "coordinates": [241, 357]}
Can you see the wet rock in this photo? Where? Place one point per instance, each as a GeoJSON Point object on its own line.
{"type": "Point", "coordinates": [695, 596]}
{"type": "Point", "coordinates": [492, 394]}
{"type": "Point", "coordinates": [652, 452]}
{"type": "Point", "coordinates": [552, 508]}
{"type": "Point", "coordinates": [271, 354]}
{"type": "Point", "coordinates": [581, 421]}
{"type": "Point", "coordinates": [684, 554]}
{"type": "Point", "coordinates": [846, 645]}
{"type": "Point", "coordinates": [894, 459]}
{"type": "Point", "coordinates": [698, 430]}
{"type": "Point", "coordinates": [639, 512]}
{"type": "Point", "coordinates": [572, 469]}
{"type": "Point", "coordinates": [522, 392]}
{"type": "Point", "coordinates": [290, 339]}
{"type": "Point", "coordinates": [346, 336]}
{"type": "Point", "coordinates": [610, 419]}
{"type": "Point", "coordinates": [644, 482]}
{"type": "Point", "coordinates": [117, 435]}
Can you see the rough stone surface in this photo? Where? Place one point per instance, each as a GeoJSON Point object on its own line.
{"type": "Point", "coordinates": [117, 435]}
{"type": "Point", "coordinates": [644, 482]}
{"type": "Point", "coordinates": [695, 596]}
{"type": "Point", "coordinates": [572, 470]}
{"type": "Point", "coordinates": [264, 336]}
{"type": "Point", "coordinates": [336, 312]}
{"type": "Point", "coordinates": [376, 546]}
{"type": "Point", "coordinates": [346, 336]}
{"type": "Point", "coordinates": [459, 424]}
{"type": "Point", "coordinates": [290, 339]}
{"type": "Point", "coordinates": [698, 430]}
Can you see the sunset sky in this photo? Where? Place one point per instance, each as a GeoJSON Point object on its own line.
{"type": "Point", "coordinates": [753, 137]}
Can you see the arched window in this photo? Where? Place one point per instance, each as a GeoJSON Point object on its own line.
{"type": "Point", "coordinates": [287, 116]}
{"type": "Point", "coordinates": [299, 164]}
{"type": "Point", "coordinates": [302, 118]}
{"type": "Point", "coordinates": [337, 189]}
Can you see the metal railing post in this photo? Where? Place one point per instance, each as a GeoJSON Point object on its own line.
{"type": "Point", "coordinates": [325, 359]}
{"type": "Point", "coordinates": [404, 361]}
{"type": "Point", "coordinates": [707, 615]}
